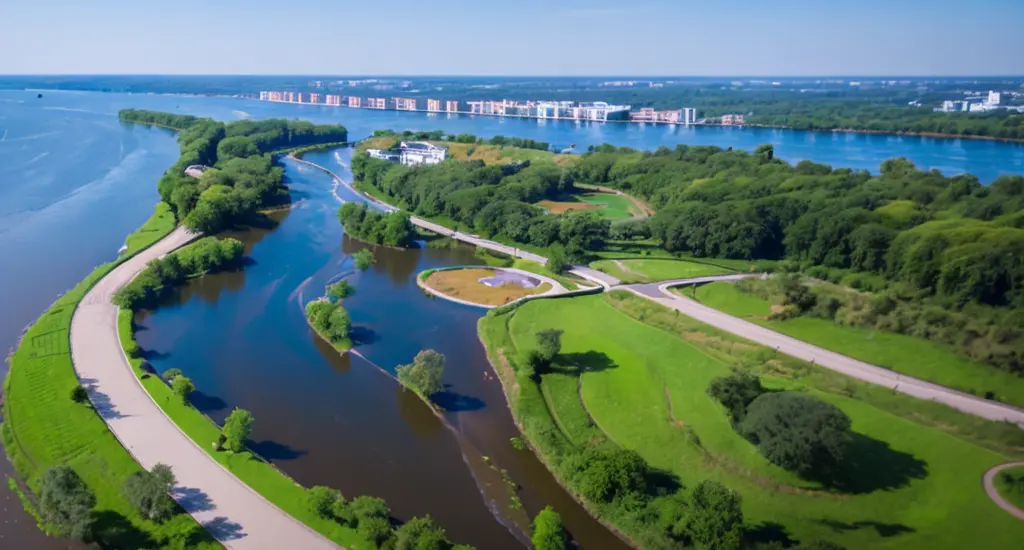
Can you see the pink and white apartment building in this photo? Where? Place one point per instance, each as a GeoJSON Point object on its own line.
{"type": "Point", "coordinates": [434, 105]}
{"type": "Point", "coordinates": [405, 104]}
{"type": "Point", "coordinates": [733, 120]}
{"type": "Point", "coordinates": [376, 103]}
{"type": "Point", "coordinates": [355, 102]}
{"type": "Point", "coordinates": [451, 106]}
{"type": "Point", "coordinates": [333, 100]}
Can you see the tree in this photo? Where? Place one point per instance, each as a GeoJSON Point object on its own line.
{"type": "Point", "coordinates": [421, 534]}
{"type": "Point", "coordinates": [424, 374]}
{"type": "Point", "coordinates": [364, 507]}
{"type": "Point", "coordinates": [533, 364]}
{"type": "Point", "coordinates": [182, 386]}
{"type": "Point", "coordinates": [715, 518]}
{"type": "Point", "coordinates": [341, 290]}
{"type": "Point", "coordinates": [147, 492]}
{"type": "Point", "coordinates": [377, 531]}
{"type": "Point", "coordinates": [363, 259]}
{"type": "Point", "coordinates": [549, 343]}
{"type": "Point", "coordinates": [65, 502]}
{"type": "Point", "coordinates": [237, 428]}
{"type": "Point", "coordinates": [604, 476]}
{"type": "Point", "coordinates": [797, 432]}
{"type": "Point", "coordinates": [548, 533]}
{"type": "Point", "coordinates": [764, 152]}
{"type": "Point", "coordinates": [736, 392]}
{"type": "Point", "coordinates": [322, 500]}
{"type": "Point", "coordinates": [171, 373]}
{"type": "Point", "coordinates": [558, 261]}
{"type": "Point", "coordinates": [79, 394]}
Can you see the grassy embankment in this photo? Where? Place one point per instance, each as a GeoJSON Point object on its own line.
{"type": "Point", "coordinates": [1014, 493]}
{"type": "Point", "coordinates": [258, 474]}
{"type": "Point", "coordinates": [490, 154]}
{"type": "Point", "coordinates": [464, 284]}
{"type": "Point", "coordinates": [635, 374]}
{"type": "Point", "coordinates": [645, 271]}
{"type": "Point", "coordinates": [906, 354]}
{"type": "Point", "coordinates": [44, 428]}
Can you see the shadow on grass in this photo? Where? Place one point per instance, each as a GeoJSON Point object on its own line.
{"type": "Point", "coordinates": [112, 530]}
{"type": "Point", "coordinates": [272, 450]}
{"type": "Point", "coordinates": [871, 465]}
{"type": "Point", "coordinates": [768, 532]}
{"type": "Point", "coordinates": [884, 530]}
{"type": "Point", "coordinates": [661, 482]}
{"type": "Point", "coordinates": [575, 364]}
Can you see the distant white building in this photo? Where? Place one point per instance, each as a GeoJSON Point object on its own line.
{"type": "Point", "coordinates": [196, 170]}
{"type": "Point", "coordinates": [411, 153]}
{"type": "Point", "coordinates": [993, 98]}
{"type": "Point", "coordinates": [689, 115]}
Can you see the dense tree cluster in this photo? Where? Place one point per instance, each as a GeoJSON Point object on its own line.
{"type": "Point", "coordinates": [65, 503]}
{"type": "Point", "coordinates": [424, 374]}
{"type": "Point", "coordinates": [492, 200]}
{"type": "Point", "coordinates": [946, 236]}
{"type": "Point", "coordinates": [367, 225]}
{"type": "Point", "coordinates": [147, 492]}
{"type": "Point", "coordinates": [548, 532]}
{"type": "Point", "coordinates": [206, 255]}
{"type": "Point", "coordinates": [439, 135]}
{"type": "Point", "coordinates": [241, 177]}
{"type": "Point", "coordinates": [330, 320]}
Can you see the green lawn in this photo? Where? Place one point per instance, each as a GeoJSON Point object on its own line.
{"type": "Point", "coordinates": [914, 470]}
{"type": "Point", "coordinates": [159, 224]}
{"type": "Point", "coordinates": [44, 428]}
{"type": "Point", "coordinates": [570, 283]}
{"type": "Point", "coordinates": [1013, 492]}
{"type": "Point", "coordinates": [261, 476]}
{"type": "Point", "coordinates": [906, 354]}
{"type": "Point", "coordinates": [615, 207]}
{"type": "Point", "coordinates": [649, 270]}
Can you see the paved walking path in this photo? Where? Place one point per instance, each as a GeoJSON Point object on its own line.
{"type": "Point", "coordinates": [659, 292]}
{"type": "Point", "coordinates": [232, 512]}
{"type": "Point", "coordinates": [989, 482]}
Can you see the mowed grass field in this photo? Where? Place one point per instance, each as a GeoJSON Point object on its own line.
{"type": "Point", "coordinates": [490, 154]}
{"type": "Point", "coordinates": [649, 270]}
{"type": "Point", "coordinates": [912, 479]}
{"type": "Point", "coordinates": [465, 284]}
{"type": "Point", "coordinates": [44, 428]}
{"type": "Point", "coordinates": [612, 207]}
{"type": "Point", "coordinates": [906, 354]}
{"type": "Point", "coordinates": [1014, 493]}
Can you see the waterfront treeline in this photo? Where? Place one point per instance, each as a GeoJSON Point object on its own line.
{"type": "Point", "coordinates": [240, 175]}
{"type": "Point", "coordinates": [207, 255]}
{"type": "Point", "coordinates": [440, 135]}
{"type": "Point", "coordinates": [390, 229]}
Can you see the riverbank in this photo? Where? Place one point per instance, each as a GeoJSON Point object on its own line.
{"type": "Point", "coordinates": [865, 131]}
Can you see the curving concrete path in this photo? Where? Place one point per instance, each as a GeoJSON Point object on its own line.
{"type": "Point", "coordinates": [659, 292]}
{"type": "Point", "coordinates": [990, 487]}
{"type": "Point", "coordinates": [233, 513]}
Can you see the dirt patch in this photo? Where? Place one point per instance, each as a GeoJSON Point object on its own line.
{"type": "Point", "coordinates": [465, 284]}
{"type": "Point", "coordinates": [556, 207]}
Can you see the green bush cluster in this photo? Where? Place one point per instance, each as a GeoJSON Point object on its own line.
{"type": "Point", "coordinates": [330, 320]}
{"type": "Point", "coordinates": [994, 336]}
{"type": "Point", "coordinates": [371, 518]}
{"type": "Point", "coordinates": [368, 225]}
{"type": "Point", "coordinates": [424, 374]}
{"type": "Point", "coordinates": [206, 255]}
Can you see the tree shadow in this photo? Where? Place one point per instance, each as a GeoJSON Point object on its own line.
{"type": "Point", "coordinates": [661, 482]}
{"type": "Point", "coordinates": [151, 355]}
{"type": "Point", "coordinates": [768, 532]}
{"type": "Point", "coordinates": [101, 402]}
{"type": "Point", "coordinates": [207, 403]}
{"type": "Point", "coordinates": [192, 500]}
{"type": "Point", "coordinates": [272, 450]}
{"type": "Point", "coordinates": [885, 530]}
{"type": "Point", "coordinates": [363, 336]}
{"type": "Point", "coordinates": [112, 530]}
{"type": "Point", "coordinates": [575, 364]}
{"type": "Point", "coordinates": [870, 465]}
{"type": "Point", "coordinates": [224, 529]}
{"type": "Point", "coordinates": [456, 402]}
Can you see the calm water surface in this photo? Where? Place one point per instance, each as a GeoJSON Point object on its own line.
{"type": "Point", "coordinates": [76, 181]}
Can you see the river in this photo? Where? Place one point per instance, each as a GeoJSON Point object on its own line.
{"type": "Point", "coordinates": [76, 181]}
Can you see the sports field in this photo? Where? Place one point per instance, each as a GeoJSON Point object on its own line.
{"type": "Point", "coordinates": [612, 207]}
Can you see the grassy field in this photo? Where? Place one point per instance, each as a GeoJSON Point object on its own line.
{"type": "Point", "coordinates": [1012, 492]}
{"type": "Point", "coordinates": [44, 428]}
{"type": "Point", "coordinates": [645, 271]}
{"type": "Point", "coordinates": [906, 354]}
{"type": "Point", "coordinates": [259, 475]}
{"type": "Point", "coordinates": [465, 284]}
{"type": "Point", "coordinates": [612, 207]}
{"type": "Point", "coordinates": [159, 224]}
{"type": "Point", "coordinates": [912, 480]}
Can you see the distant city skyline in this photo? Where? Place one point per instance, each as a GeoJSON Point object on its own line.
{"type": "Point", "coordinates": [532, 38]}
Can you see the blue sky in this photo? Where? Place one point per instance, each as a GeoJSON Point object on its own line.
{"type": "Point", "coordinates": [521, 37]}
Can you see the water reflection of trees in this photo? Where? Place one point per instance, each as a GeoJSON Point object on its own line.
{"type": "Point", "coordinates": [423, 423]}
{"type": "Point", "coordinates": [398, 264]}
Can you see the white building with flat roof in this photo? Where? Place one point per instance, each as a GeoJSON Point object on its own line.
{"type": "Point", "coordinates": [412, 153]}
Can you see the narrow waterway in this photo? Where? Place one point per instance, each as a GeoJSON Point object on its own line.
{"type": "Point", "coordinates": [338, 420]}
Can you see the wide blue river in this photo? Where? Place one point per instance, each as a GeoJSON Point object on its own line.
{"type": "Point", "coordinates": [75, 181]}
